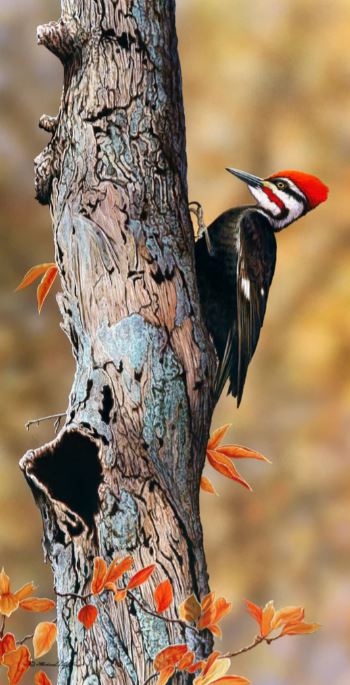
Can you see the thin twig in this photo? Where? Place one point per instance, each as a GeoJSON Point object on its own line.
{"type": "Point", "coordinates": [73, 595]}
{"type": "Point", "coordinates": [178, 621]}
{"type": "Point", "coordinates": [258, 640]}
{"type": "Point", "coordinates": [35, 664]}
{"type": "Point", "coordinates": [2, 626]}
{"type": "Point", "coordinates": [150, 678]}
{"type": "Point", "coordinates": [53, 417]}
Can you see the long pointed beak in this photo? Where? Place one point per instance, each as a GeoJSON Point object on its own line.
{"type": "Point", "coordinates": [247, 178]}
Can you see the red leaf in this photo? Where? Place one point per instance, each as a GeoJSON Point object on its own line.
{"type": "Point", "coordinates": [223, 465]}
{"type": "Point", "coordinates": [7, 644]}
{"type": "Point", "coordinates": [33, 274]}
{"type": "Point", "coordinates": [87, 615]}
{"type": "Point", "coordinates": [163, 596]}
{"type": "Point", "coordinates": [45, 285]}
{"type": "Point", "coordinates": [17, 662]}
{"type": "Point", "coordinates": [169, 656]}
{"type": "Point", "coordinates": [218, 436]}
{"type": "Point", "coordinates": [41, 679]}
{"type": "Point", "coordinates": [140, 577]}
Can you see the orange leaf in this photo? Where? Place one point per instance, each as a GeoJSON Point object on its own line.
{"type": "Point", "coordinates": [207, 486]}
{"type": "Point", "coordinates": [186, 661]}
{"type": "Point", "coordinates": [240, 452]}
{"type": "Point", "coordinates": [17, 662]}
{"type": "Point", "coordinates": [207, 601]}
{"type": "Point", "coordinates": [120, 595]}
{"type": "Point", "coordinates": [217, 436]}
{"type": "Point", "coordinates": [215, 630]}
{"type": "Point", "coordinates": [4, 583]}
{"type": "Point", "coordinates": [288, 615]}
{"type": "Point", "coordinates": [217, 669]}
{"type": "Point", "coordinates": [8, 604]}
{"type": "Point", "coordinates": [207, 618]}
{"type": "Point", "coordinates": [165, 675]}
{"type": "Point", "coordinates": [300, 628]}
{"type": "Point", "coordinates": [140, 577]}
{"type": "Point", "coordinates": [169, 656]}
{"type": "Point", "coordinates": [210, 661]}
{"type": "Point", "coordinates": [45, 285]}
{"type": "Point", "coordinates": [222, 464]}
{"type": "Point", "coordinates": [43, 639]}
{"type": "Point", "coordinates": [254, 611]}
{"type": "Point", "coordinates": [87, 615]}
{"type": "Point", "coordinates": [234, 679]}
{"type": "Point", "coordinates": [99, 576]}
{"type": "Point", "coordinates": [37, 604]}
{"type": "Point", "coordinates": [268, 614]}
{"type": "Point", "coordinates": [163, 596]}
{"type": "Point", "coordinates": [41, 679]}
{"type": "Point", "coordinates": [118, 568]}
{"type": "Point", "coordinates": [25, 591]}
{"type": "Point", "coordinates": [190, 609]}
{"type": "Point", "coordinates": [33, 274]}
{"type": "Point", "coordinates": [222, 607]}
{"type": "Point", "coordinates": [7, 644]}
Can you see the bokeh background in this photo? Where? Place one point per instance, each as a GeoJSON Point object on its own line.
{"type": "Point", "coordinates": [267, 86]}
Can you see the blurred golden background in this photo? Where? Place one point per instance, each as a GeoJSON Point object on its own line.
{"type": "Point", "coordinates": [267, 87]}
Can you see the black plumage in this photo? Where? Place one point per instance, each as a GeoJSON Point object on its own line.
{"type": "Point", "coordinates": [234, 281]}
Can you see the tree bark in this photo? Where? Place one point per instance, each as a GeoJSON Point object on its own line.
{"type": "Point", "coordinates": [123, 474]}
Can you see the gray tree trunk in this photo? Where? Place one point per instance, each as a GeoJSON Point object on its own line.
{"type": "Point", "coordinates": [123, 474]}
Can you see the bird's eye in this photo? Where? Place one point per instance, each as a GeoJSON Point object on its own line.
{"type": "Point", "coordinates": [281, 185]}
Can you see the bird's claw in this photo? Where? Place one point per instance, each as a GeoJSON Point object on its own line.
{"type": "Point", "coordinates": [197, 209]}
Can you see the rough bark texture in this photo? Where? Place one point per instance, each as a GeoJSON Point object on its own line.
{"type": "Point", "coordinates": [123, 474]}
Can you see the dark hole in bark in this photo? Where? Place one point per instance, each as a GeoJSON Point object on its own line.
{"type": "Point", "coordinates": [72, 474]}
{"type": "Point", "coordinates": [138, 376]}
{"type": "Point", "coordinates": [107, 404]}
{"type": "Point", "coordinates": [125, 40]}
{"type": "Point", "coordinates": [158, 276]}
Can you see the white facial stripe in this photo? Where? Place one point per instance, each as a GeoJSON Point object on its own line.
{"type": "Point", "coordinates": [264, 201]}
{"type": "Point", "coordinates": [246, 288]}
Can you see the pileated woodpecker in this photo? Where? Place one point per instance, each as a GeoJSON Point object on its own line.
{"type": "Point", "coordinates": [235, 263]}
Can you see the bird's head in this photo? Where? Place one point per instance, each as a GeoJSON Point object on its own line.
{"type": "Point", "coordinates": [285, 196]}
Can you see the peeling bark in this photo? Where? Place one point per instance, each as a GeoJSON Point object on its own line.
{"type": "Point", "coordinates": [123, 474]}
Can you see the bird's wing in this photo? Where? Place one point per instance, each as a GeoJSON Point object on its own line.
{"type": "Point", "coordinates": [256, 247]}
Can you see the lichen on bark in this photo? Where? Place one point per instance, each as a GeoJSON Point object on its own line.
{"type": "Point", "coordinates": [123, 474]}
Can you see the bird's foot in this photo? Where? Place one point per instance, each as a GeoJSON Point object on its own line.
{"type": "Point", "coordinates": [197, 209]}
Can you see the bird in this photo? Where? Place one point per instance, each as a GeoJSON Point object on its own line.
{"type": "Point", "coordinates": [235, 262]}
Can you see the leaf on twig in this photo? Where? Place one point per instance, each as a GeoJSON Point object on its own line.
{"type": "Point", "coordinates": [17, 663]}
{"type": "Point", "coordinates": [140, 577]}
{"type": "Point", "coordinates": [169, 656]}
{"type": "Point", "coordinates": [44, 637]}
{"type": "Point", "coordinates": [87, 615]}
{"type": "Point", "coordinates": [163, 596]}
{"type": "Point", "coordinates": [41, 678]}
{"type": "Point", "coordinates": [207, 486]}
{"type": "Point", "coordinates": [99, 576]}
{"type": "Point", "coordinates": [45, 285]}
{"type": "Point", "coordinates": [37, 604]}
{"type": "Point", "coordinates": [190, 609]}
